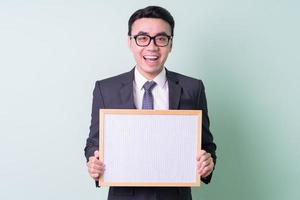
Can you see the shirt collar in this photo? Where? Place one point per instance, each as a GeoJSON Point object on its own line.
{"type": "Point", "coordinates": [140, 80]}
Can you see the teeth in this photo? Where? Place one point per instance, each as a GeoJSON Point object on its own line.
{"type": "Point", "coordinates": [151, 57]}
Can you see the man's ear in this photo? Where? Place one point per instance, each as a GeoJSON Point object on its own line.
{"type": "Point", "coordinates": [129, 42]}
{"type": "Point", "coordinates": [171, 45]}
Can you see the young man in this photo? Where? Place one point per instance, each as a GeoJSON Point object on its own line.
{"type": "Point", "coordinates": [150, 37]}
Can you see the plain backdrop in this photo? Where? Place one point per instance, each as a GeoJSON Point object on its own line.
{"type": "Point", "coordinates": [246, 52]}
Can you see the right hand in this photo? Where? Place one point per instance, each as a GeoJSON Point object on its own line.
{"type": "Point", "coordinates": [95, 166]}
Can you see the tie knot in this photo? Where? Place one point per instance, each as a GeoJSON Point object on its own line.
{"type": "Point", "coordinates": [149, 85]}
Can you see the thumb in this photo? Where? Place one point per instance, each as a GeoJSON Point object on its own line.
{"type": "Point", "coordinates": [96, 154]}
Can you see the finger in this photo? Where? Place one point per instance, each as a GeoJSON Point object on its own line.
{"type": "Point", "coordinates": [198, 165]}
{"type": "Point", "coordinates": [96, 173]}
{"type": "Point", "coordinates": [206, 170]}
{"type": "Point", "coordinates": [96, 154]}
{"type": "Point", "coordinates": [95, 169]}
{"type": "Point", "coordinates": [95, 176]}
{"type": "Point", "coordinates": [99, 172]}
{"type": "Point", "coordinates": [206, 174]}
{"type": "Point", "coordinates": [205, 157]}
{"type": "Point", "coordinates": [198, 156]}
{"type": "Point", "coordinates": [95, 164]}
{"type": "Point", "coordinates": [201, 153]}
{"type": "Point", "coordinates": [205, 163]}
{"type": "Point", "coordinates": [93, 159]}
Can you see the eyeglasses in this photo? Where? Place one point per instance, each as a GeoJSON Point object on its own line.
{"type": "Point", "coordinates": [143, 40]}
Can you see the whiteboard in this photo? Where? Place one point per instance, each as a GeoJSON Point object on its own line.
{"type": "Point", "coordinates": [149, 147]}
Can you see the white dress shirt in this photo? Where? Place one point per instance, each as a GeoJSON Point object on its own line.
{"type": "Point", "coordinates": [160, 91]}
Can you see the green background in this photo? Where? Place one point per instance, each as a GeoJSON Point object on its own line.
{"type": "Point", "coordinates": [246, 52]}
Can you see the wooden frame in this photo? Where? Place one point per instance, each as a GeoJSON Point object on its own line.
{"type": "Point", "coordinates": [187, 121]}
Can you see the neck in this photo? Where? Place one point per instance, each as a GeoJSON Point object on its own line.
{"type": "Point", "coordinates": [149, 76]}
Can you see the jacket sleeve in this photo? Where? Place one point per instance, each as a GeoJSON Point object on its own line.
{"type": "Point", "coordinates": [92, 142]}
{"type": "Point", "coordinates": [207, 138]}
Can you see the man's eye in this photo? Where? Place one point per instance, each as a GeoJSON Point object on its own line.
{"type": "Point", "coordinates": [142, 38]}
{"type": "Point", "coordinates": [161, 39]}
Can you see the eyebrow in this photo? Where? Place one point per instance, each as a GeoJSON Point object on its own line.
{"type": "Point", "coordinates": [145, 33]}
{"type": "Point", "coordinates": [142, 33]}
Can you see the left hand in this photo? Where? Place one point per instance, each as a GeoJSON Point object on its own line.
{"type": "Point", "coordinates": [205, 163]}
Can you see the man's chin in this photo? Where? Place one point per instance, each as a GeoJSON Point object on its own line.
{"type": "Point", "coordinates": [150, 70]}
{"type": "Point", "coordinates": [154, 70]}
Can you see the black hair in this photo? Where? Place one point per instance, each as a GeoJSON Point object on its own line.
{"type": "Point", "coordinates": [152, 12]}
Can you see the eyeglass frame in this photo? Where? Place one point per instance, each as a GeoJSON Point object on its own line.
{"type": "Point", "coordinates": [151, 38]}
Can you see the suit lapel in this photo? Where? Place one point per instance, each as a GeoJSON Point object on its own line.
{"type": "Point", "coordinates": [174, 90]}
{"type": "Point", "coordinates": [126, 91]}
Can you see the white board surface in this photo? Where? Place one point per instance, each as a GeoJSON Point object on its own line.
{"type": "Point", "coordinates": [149, 147]}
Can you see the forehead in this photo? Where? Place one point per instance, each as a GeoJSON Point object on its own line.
{"type": "Point", "coordinates": [151, 26]}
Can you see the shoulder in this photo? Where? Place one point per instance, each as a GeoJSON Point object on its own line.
{"type": "Point", "coordinates": [116, 81]}
{"type": "Point", "coordinates": [185, 81]}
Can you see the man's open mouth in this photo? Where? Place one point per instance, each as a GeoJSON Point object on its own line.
{"type": "Point", "coordinates": [151, 58]}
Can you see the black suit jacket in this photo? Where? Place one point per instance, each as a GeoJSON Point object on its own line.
{"type": "Point", "coordinates": [117, 93]}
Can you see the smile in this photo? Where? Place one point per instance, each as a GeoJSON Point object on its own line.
{"type": "Point", "coordinates": [151, 58]}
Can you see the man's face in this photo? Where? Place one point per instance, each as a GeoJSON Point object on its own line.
{"type": "Point", "coordinates": [150, 59]}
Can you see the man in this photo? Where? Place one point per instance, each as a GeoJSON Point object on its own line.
{"type": "Point", "coordinates": [150, 38]}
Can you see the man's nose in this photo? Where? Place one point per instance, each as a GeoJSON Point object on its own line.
{"type": "Point", "coordinates": [152, 45]}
